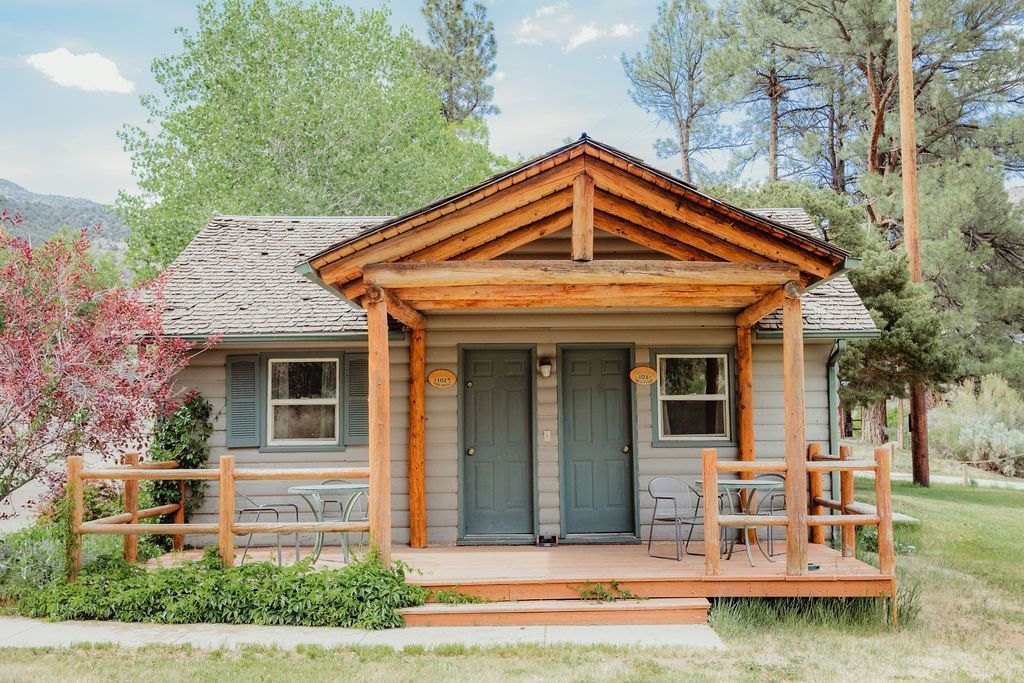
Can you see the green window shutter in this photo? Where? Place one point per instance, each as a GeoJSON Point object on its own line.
{"type": "Point", "coordinates": [357, 407]}
{"type": "Point", "coordinates": [243, 402]}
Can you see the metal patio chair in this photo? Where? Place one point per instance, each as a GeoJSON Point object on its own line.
{"type": "Point", "coordinates": [360, 511]}
{"type": "Point", "coordinates": [771, 499]}
{"type": "Point", "coordinates": [258, 510]}
{"type": "Point", "coordinates": [676, 500]}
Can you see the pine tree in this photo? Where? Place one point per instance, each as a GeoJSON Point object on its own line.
{"type": "Point", "coordinates": [670, 79]}
{"type": "Point", "coordinates": [460, 57]}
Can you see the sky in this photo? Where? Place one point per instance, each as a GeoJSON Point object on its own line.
{"type": "Point", "coordinates": [73, 71]}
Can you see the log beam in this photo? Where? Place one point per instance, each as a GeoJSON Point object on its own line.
{"type": "Point", "coordinates": [795, 439]}
{"type": "Point", "coordinates": [417, 439]}
{"type": "Point", "coordinates": [403, 312]}
{"type": "Point", "coordinates": [443, 227]}
{"type": "Point", "coordinates": [380, 422]}
{"type": "Point", "coordinates": [583, 218]}
{"type": "Point", "coordinates": [649, 238]}
{"type": "Point", "coordinates": [453, 273]}
{"type": "Point", "coordinates": [770, 303]}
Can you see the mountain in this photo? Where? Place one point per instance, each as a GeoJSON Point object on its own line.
{"type": "Point", "coordinates": [43, 215]}
{"type": "Point", "coordinates": [1016, 195]}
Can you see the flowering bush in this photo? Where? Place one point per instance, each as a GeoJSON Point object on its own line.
{"type": "Point", "coordinates": [982, 424]}
{"type": "Point", "coordinates": [82, 367]}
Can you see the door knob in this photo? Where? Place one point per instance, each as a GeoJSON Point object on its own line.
{"type": "Point", "coordinates": [470, 451]}
{"type": "Point", "coordinates": [625, 449]}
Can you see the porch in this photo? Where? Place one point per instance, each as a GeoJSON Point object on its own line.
{"type": "Point", "coordinates": [521, 573]}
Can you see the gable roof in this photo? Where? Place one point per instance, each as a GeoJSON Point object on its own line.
{"type": "Point", "coordinates": [236, 278]}
{"type": "Point", "coordinates": [646, 201]}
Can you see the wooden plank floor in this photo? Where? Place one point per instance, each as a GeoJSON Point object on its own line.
{"type": "Point", "coordinates": [525, 572]}
{"type": "Point", "coordinates": [530, 573]}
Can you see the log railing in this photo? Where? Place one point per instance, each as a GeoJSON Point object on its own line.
{"type": "Point", "coordinates": [799, 522]}
{"type": "Point", "coordinates": [128, 523]}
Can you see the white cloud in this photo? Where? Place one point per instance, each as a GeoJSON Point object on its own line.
{"type": "Point", "coordinates": [91, 71]}
{"type": "Point", "coordinates": [499, 76]}
{"type": "Point", "coordinates": [556, 23]}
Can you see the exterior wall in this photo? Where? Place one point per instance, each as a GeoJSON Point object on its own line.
{"type": "Point", "coordinates": [647, 331]}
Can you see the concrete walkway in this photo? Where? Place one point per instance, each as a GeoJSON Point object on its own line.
{"type": "Point", "coordinates": [22, 632]}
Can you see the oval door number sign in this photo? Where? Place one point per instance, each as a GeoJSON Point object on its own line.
{"type": "Point", "coordinates": [441, 378]}
{"type": "Point", "coordinates": [643, 375]}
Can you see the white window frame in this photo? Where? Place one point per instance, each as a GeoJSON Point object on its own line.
{"type": "Point", "coordinates": [725, 398]}
{"type": "Point", "coordinates": [336, 402]}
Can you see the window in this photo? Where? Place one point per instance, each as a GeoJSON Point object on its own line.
{"type": "Point", "coordinates": [302, 401]}
{"type": "Point", "coordinates": [693, 397]}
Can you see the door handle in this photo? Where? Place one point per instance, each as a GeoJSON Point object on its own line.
{"type": "Point", "coordinates": [471, 451]}
{"type": "Point", "coordinates": [625, 449]}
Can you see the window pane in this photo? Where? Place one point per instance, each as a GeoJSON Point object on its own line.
{"type": "Point", "coordinates": [304, 422]}
{"type": "Point", "coordinates": [304, 379]}
{"type": "Point", "coordinates": [693, 418]}
{"type": "Point", "coordinates": [687, 376]}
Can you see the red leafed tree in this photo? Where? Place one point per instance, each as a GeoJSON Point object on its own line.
{"type": "Point", "coordinates": [82, 368]}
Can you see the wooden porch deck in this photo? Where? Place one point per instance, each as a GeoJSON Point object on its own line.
{"type": "Point", "coordinates": [510, 573]}
{"type": "Point", "coordinates": [530, 573]}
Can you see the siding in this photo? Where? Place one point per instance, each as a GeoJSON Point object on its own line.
{"type": "Point", "coordinates": [444, 335]}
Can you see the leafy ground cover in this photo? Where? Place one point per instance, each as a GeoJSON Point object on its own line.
{"type": "Point", "coordinates": [967, 569]}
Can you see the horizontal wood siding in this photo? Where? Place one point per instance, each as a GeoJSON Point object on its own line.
{"type": "Point", "coordinates": [444, 335]}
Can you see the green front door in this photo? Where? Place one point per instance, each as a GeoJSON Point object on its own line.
{"type": "Point", "coordinates": [597, 437]}
{"type": "Point", "coordinates": [497, 417]}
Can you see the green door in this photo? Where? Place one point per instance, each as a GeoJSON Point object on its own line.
{"type": "Point", "coordinates": [597, 437]}
{"type": "Point", "coordinates": [497, 443]}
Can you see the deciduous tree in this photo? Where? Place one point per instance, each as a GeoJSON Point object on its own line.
{"type": "Point", "coordinates": [288, 107]}
{"type": "Point", "coordinates": [82, 368]}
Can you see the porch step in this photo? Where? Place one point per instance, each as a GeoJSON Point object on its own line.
{"type": "Point", "coordinates": [560, 612]}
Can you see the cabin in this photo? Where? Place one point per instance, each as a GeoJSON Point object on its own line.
{"type": "Point", "coordinates": [515, 363]}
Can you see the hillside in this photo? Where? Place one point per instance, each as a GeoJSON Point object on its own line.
{"type": "Point", "coordinates": [45, 214]}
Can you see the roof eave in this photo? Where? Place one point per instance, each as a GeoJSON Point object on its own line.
{"type": "Point", "coordinates": [306, 270]}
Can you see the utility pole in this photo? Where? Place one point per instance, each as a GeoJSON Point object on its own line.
{"type": "Point", "coordinates": [911, 226]}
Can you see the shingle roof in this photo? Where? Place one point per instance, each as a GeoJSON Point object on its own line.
{"type": "Point", "coordinates": [236, 277]}
{"type": "Point", "coordinates": [832, 305]}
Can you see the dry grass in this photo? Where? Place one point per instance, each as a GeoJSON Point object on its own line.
{"type": "Point", "coordinates": [968, 566]}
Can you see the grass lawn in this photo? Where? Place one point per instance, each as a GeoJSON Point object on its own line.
{"type": "Point", "coordinates": [936, 465]}
{"type": "Point", "coordinates": [969, 569]}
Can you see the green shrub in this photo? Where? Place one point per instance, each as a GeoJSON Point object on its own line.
{"type": "Point", "coordinates": [182, 437]}
{"type": "Point", "coordinates": [982, 424]}
{"type": "Point", "coordinates": [364, 594]}
{"type": "Point", "coordinates": [35, 556]}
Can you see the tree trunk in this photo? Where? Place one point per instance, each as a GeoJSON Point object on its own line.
{"type": "Point", "coordinates": [874, 423]}
{"type": "Point", "coordinates": [684, 152]}
{"type": "Point", "coordinates": [773, 136]}
{"type": "Point", "coordinates": [919, 434]}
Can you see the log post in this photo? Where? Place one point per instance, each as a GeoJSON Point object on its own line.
{"type": "Point", "coordinates": [817, 491]}
{"type": "Point", "coordinates": [712, 536]}
{"type": "Point", "coordinates": [745, 405]}
{"type": "Point", "coordinates": [883, 504]}
{"type": "Point", "coordinates": [796, 458]}
{"type": "Point", "coordinates": [849, 532]}
{"type": "Point", "coordinates": [226, 518]}
{"type": "Point", "coordinates": [583, 218]}
{"type": "Point", "coordinates": [74, 490]}
{"type": "Point", "coordinates": [178, 540]}
{"type": "Point", "coordinates": [131, 506]}
{"type": "Point", "coordinates": [380, 422]}
{"type": "Point", "coordinates": [417, 441]}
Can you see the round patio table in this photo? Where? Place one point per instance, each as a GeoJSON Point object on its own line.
{"type": "Point", "coordinates": [751, 486]}
{"type": "Point", "coordinates": [313, 495]}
